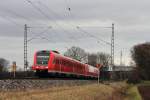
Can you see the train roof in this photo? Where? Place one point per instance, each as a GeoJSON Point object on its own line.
{"type": "Point", "coordinates": [67, 57]}
{"type": "Point", "coordinates": [49, 51]}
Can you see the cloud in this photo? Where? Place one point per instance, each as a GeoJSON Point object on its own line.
{"type": "Point", "coordinates": [131, 20]}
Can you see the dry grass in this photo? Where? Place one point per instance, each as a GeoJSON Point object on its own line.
{"type": "Point", "coordinates": [86, 92]}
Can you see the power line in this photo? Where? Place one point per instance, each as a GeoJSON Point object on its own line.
{"type": "Point", "coordinates": [25, 47]}
{"type": "Point", "coordinates": [61, 17]}
{"type": "Point", "coordinates": [54, 13]}
{"type": "Point", "coordinates": [48, 9]}
{"type": "Point", "coordinates": [39, 34]}
{"type": "Point", "coordinates": [37, 8]}
{"type": "Point", "coordinates": [93, 36]}
{"type": "Point", "coordinates": [13, 13]}
{"type": "Point", "coordinates": [112, 46]}
{"type": "Point", "coordinates": [12, 21]}
{"type": "Point", "coordinates": [67, 4]}
{"type": "Point", "coordinates": [16, 14]}
{"type": "Point", "coordinates": [45, 15]}
{"type": "Point", "coordinates": [83, 31]}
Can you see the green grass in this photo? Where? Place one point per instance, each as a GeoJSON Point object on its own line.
{"type": "Point", "coordinates": [133, 93]}
{"type": "Point", "coordinates": [145, 83]}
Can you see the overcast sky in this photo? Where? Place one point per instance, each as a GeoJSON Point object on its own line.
{"type": "Point", "coordinates": [57, 21]}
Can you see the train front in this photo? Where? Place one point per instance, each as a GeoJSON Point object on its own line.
{"type": "Point", "coordinates": [41, 61]}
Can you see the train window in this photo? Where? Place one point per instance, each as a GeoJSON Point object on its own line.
{"type": "Point", "coordinates": [63, 62]}
{"type": "Point", "coordinates": [42, 58]}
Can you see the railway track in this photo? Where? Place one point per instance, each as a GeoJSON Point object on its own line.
{"type": "Point", "coordinates": [31, 75]}
{"type": "Point", "coordinates": [37, 78]}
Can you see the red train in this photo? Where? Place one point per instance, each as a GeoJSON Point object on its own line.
{"type": "Point", "coordinates": [53, 63]}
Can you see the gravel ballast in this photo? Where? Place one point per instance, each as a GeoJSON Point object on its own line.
{"type": "Point", "coordinates": [25, 84]}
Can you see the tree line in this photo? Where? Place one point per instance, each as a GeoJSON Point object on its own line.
{"type": "Point", "coordinates": [89, 58]}
{"type": "Point", "coordinates": [3, 65]}
{"type": "Point", "coordinates": [141, 56]}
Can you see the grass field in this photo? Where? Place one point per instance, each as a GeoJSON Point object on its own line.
{"type": "Point", "coordinates": [111, 91]}
{"type": "Point", "coordinates": [86, 92]}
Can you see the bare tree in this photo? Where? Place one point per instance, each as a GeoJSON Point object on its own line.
{"type": "Point", "coordinates": [92, 59]}
{"type": "Point", "coordinates": [3, 65]}
{"type": "Point", "coordinates": [98, 58]}
{"type": "Point", "coordinates": [76, 53]}
{"type": "Point", "coordinates": [103, 58]}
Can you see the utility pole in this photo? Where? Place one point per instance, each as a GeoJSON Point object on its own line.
{"type": "Point", "coordinates": [112, 46]}
{"type": "Point", "coordinates": [98, 75]}
{"type": "Point", "coordinates": [26, 44]}
{"type": "Point", "coordinates": [25, 48]}
{"type": "Point", "coordinates": [121, 58]}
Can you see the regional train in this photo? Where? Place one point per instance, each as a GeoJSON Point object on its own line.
{"type": "Point", "coordinates": [55, 64]}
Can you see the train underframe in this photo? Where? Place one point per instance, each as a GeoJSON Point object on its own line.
{"type": "Point", "coordinates": [47, 74]}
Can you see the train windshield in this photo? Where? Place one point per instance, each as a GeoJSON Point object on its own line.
{"type": "Point", "coordinates": [43, 57]}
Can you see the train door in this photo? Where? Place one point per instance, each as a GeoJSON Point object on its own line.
{"type": "Point", "coordinates": [60, 64]}
{"type": "Point", "coordinates": [57, 64]}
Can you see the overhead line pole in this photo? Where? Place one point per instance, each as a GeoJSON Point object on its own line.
{"type": "Point", "coordinates": [25, 48]}
{"type": "Point", "coordinates": [112, 46]}
{"type": "Point", "coordinates": [26, 44]}
{"type": "Point", "coordinates": [121, 58]}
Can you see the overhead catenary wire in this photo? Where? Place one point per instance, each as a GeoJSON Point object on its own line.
{"type": "Point", "coordinates": [37, 8]}
{"type": "Point", "coordinates": [42, 4]}
{"type": "Point", "coordinates": [56, 15]}
{"type": "Point", "coordinates": [93, 36]}
{"type": "Point", "coordinates": [10, 11]}
{"type": "Point", "coordinates": [83, 31]}
{"type": "Point", "coordinates": [48, 9]}
{"type": "Point", "coordinates": [45, 15]}
{"type": "Point", "coordinates": [14, 15]}
{"type": "Point", "coordinates": [39, 34]}
{"type": "Point", "coordinates": [74, 26]}
{"type": "Point", "coordinates": [12, 21]}
{"type": "Point", "coordinates": [67, 5]}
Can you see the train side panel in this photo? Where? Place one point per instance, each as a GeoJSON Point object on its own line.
{"type": "Point", "coordinates": [92, 71]}
{"type": "Point", "coordinates": [57, 63]}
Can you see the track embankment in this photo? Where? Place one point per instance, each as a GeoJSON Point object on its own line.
{"type": "Point", "coordinates": [27, 84]}
{"type": "Point", "coordinates": [96, 91]}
